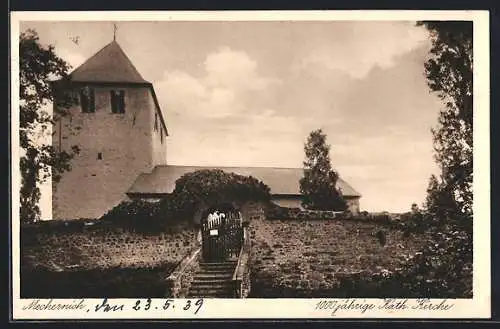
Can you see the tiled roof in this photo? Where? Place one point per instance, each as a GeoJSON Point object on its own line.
{"type": "Point", "coordinates": [281, 181]}
{"type": "Point", "coordinates": [110, 64]}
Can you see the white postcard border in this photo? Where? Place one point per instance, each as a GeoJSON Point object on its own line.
{"type": "Point", "coordinates": [477, 307]}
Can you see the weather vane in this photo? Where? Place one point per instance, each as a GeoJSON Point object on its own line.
{"type": "Point", "coordinates": [114, 32]}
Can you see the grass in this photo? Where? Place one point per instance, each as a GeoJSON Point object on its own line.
{"type": "Point", "coordinates": [313, 254]}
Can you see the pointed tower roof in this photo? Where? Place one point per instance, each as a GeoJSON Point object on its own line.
{"type": "Point", "coordinates": [110, 64]}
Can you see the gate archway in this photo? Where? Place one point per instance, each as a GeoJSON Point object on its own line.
{"type": "Point", "coordinates": [222, 232]}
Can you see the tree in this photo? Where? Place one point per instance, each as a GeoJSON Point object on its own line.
{"type": "Point", "coordinates": [449, 74]}
{"type": "Point", "coordinates": [318, 186]}
{"type": "Point", "coordinates": [440, 201]}
{"type": "Point", "coordinates": [38, 67]}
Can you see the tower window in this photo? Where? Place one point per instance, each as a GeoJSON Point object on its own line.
{"type": "Point", "coordinates": [117, 101]}
{"type": "Point", "coordinates": [87, 100]}
{"type": "Point", "coordinates": [156, 121]}
{"type": "Point", "coordinates": [99, 156]}
{"type": "Point", "coordinates": [161, 135]}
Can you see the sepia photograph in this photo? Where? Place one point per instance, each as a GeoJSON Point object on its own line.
{"type": "Point", "coordinates": [332, 160]}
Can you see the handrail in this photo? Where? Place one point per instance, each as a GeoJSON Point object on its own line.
{"type": "Point", "coordinates": [173, 280]}
{"type": "Point", "coordinates": [241, 265]}
{"type": "Point", "coordinates": [238, 263]}
{"type": "Point", "coordinates": [184, 263]}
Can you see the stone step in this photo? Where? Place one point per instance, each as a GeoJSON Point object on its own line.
{"type": "Point", "coordinates": [210, 287]}
{"type": "Point", "coordinates": [219, 262]}
{"type": "Point", "coordinates": [225, 296]}
{"type": "Point", "coordinates": [210, 292]}
{"type": "Point", "coordinates": [216, 270]}
{"type": "Point", "coordinates": [213, 276]}
{"type": "Point", "coordinates": [217, 265]}
{"type": "Point", "coordinates": [216, 284]}
{"type": "Point", "coordinates": [206, 296]}
{"type": "Point", "coordinates": [213, 280]}
{"type": "Point", "coordinates": [210, 283]}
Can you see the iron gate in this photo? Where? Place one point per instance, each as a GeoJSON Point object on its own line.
{"type": "Point", "coordinates": [222, 236]}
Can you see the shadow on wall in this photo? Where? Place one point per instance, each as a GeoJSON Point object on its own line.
{"type": "Point", "coordinates": [117, 282]}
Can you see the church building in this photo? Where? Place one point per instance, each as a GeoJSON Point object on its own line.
{"type": "Point", "coordinates": [121, 132]}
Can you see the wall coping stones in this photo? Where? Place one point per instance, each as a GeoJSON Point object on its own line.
{"type": "Point", "coordinates": [174, 280]}
{"type": "Point", "coordinates": [241, 277]}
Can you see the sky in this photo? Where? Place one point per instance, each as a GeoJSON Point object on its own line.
{"type": "Point", "coordinates": [249, 93]}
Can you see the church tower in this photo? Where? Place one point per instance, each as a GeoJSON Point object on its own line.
{"type": "Point", "coordinates": [119, 128]}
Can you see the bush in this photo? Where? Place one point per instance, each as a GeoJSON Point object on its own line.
{"type": "Point", "coordinates": [145, 216]}
{"type": "Point", "coordinates": [216, 187]}
{"type": "Point", "coordinates": [273, 211]}
{"type": "Point", "coordinates": [443, 269]}
{"type": "Point", "coordinates": [381, 218]}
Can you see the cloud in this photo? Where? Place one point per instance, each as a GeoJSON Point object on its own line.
{"type": "Point", "coordinates": [234, 69]}
{"type": "Point", "coordinates": [227, 80]}
{"type": "Point", "coordinates": [377, 125]}
{"type": "Point", "coordinates": [374, 44]}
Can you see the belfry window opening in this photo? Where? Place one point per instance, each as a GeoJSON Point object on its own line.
{"type": "Point", "coordinates": [117, 101]}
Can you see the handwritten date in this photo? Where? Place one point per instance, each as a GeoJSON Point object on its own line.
{"type": "Point", "coordinates": [148, 304]}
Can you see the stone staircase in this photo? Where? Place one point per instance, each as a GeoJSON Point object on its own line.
{"type": "Point", "coordinates": [213, 280]}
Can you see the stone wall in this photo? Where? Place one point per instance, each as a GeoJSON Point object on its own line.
{"type": "Point", "coordinates": [308, 258]}
{"type": "Point", "coordinates": [179, 281]}
{"type": "Point", "coordinates": [114, 150]}
{"type": "Point", "coordinates": [300, 214]}
{"type": "Point", "coordinates": [253, 211]}
{"type": "Point", "coordinates": [296, 202]}
{"type": "Point", "coordinates": [91, 248]}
